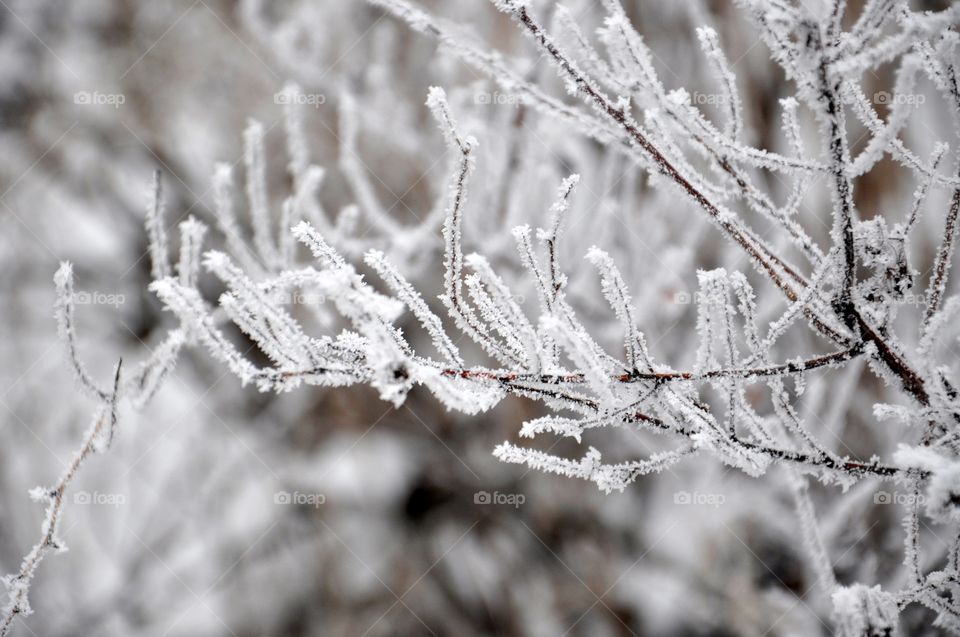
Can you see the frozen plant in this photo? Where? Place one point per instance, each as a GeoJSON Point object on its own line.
{"type": "Point", "coordinates": [841, 297]}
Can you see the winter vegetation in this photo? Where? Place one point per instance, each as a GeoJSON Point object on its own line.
{"type": "Point", "coordinates": [697, 259]}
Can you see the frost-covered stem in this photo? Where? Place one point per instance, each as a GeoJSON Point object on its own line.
{"type": "Point", "coordinates": [299, 160]}
{"type": "Point", "coordinates": [615, 289]}
{"type": "Point", "coordinates": [912, 381]}
{"type": "Point", "coordinates": [941, 269]}
{"type": "Point", "coordinates": [453, 272]}
{"type": "Point", "coordinates": [711, 47]}
{"type": "Point", "coordinates": [835, 25]}
{"type": "Point", "coordinates": [430, 321]}
{"type": "Point", "coordinates": [143, 384]}
{"type": "Point", "coordinates": [114, 405]}
{"type": "Point", "coordinates": [156, 232]}
{"type": "Point", "coordinates": [66, 323]}
{"type": "Point", "coordinates": [796, 231]}
{"type": "Point", "coordinates": [557, 213]}
{"type": "Point", "coordinates": [812, 538]}
{"type": "Point", "coordinates": [255, 163]}
{"type": "Point", "coordinates": [793, 367]}
{"type": "Point", "coordinates": [911, 527]}
{"type": "Point", "coordinates": [19, 583]}
{"type": "Point", "coordinates": [851, 468]}
{"type": "Point", "coordinates": [227, 219]}
{"type": "Point", "coordinates": [453, 297]}
{"type": "Point", "coordinates": [830, 108]}
{"type": "Point", "coordinates": [920, 195]}
{"type": "Point", "coordinates": [192, 233]}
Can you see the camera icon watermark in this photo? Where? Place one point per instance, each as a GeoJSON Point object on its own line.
{"type": "Point", "coordinates": [298, 498]}
{"type": "Point", "coordinates": [96, 98]}
{"type": "Point", "coordinates": [510, 499]}
{"type": "Point", "coordinates": [698, 498]}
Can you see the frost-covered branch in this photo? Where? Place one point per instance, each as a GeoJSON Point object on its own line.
{"type": "Point", "coordinates": [98, 437]}
{"type": "Point", "coordinates": [522, 317]}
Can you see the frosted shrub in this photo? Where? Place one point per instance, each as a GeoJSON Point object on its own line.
{"type": "Point", "coordinates": [782, 305]}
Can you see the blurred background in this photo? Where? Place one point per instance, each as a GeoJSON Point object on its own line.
{"type": "Point", "coordinates": [222, 511]}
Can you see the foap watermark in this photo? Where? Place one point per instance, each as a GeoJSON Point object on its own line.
{"type": "Point", "coordinates": [698, 498]}
{"type": "Point", "coordinates": [913, 300]}
{"type": "Point", "coordinates": [682, 297]}
{"type": "Point", "coordinates": [511, 499]}
{"type": "Point", "coordinates": [708, 99]}
{"type": "Point", "coordinates": [299, 498]}
{"type": "Point", "coordinates": [98, 298]}
{"type": "Point", "coordinates": [96, 98]}
{"type": "Point", "coordinates": [903, 499]}
{"type": "Point", "coordinates": [296, 98]}
{"type": "Point", "coordinates": [899, 99]}
{"type": "Point", "coordinates": [297, 297]}
{"type": "Point", "coordinates": [500, 99]}
{"type": "Point", "coordinates": [99, 499]}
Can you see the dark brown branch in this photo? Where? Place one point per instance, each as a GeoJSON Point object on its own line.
{"type": "Point", "coordinates": [854, 467]}
{"type": "Point", "coordinates": [843, 191]}
{"type": "Point", "coordinates": [794, 367]}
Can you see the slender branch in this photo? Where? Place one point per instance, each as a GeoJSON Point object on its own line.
{"type": "Point", "coordinates": [938, 283]}
{"type": "Point", "coordinates": [855, 468]}
{"type": "Point", "coordinates": [19, 583]}
{"type": "Point", "coordinates": [793, 367]}
{"type": "Point", "coordinates": [842, 189]}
